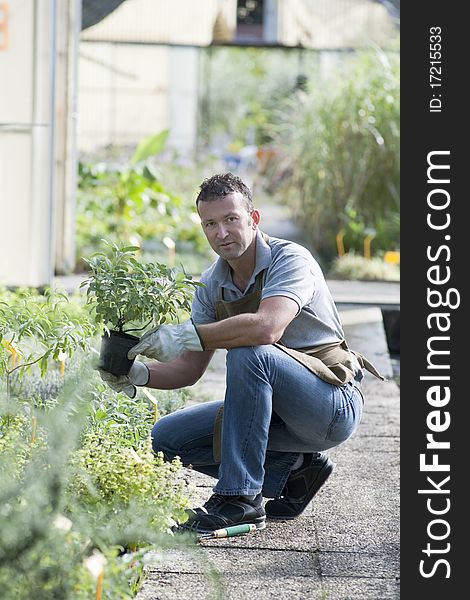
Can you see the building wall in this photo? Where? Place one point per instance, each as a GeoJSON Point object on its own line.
{"type": "Point", "coordinates": [37, 162]}
{"type": "Point", "coordinates": [128, 92]}
{"type": "Point", "coordinates": [140, 66]}
{"type": "Point", "coordinates": [26, 205]}
{"type": "Point", "coordinates": [123, 93]}
{"type": "Point", "coordinates": [334, 24]}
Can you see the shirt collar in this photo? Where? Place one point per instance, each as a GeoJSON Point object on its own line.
{"type": "Point", "coordinates": [263, 259]}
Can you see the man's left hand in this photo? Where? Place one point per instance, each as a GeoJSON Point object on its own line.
{"type": "Point", "coordinates": [167, 342]}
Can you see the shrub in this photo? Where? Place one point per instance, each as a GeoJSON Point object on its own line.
{"type": "Point", "coordinates": [37, 329]}
{"type": "Point", "coordinates": [341, 154]}
{"type": "Point", "coordinates": [118, 476]}
{"type": "Point", "coordinates": [351, 266]}
{"type": "Point", "coordinates": [52, 522]}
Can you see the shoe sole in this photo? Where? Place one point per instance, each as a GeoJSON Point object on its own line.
{"type": "Point", "coordinates": [323, 476]}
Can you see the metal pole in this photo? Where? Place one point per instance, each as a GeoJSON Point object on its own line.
{"type": "Point", "coordinates": [52, 128]}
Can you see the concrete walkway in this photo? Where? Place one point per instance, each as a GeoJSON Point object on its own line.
{"type": "Point", "coordinates": [345, 546]}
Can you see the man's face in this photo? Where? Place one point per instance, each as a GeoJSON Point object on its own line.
{"type": "Point", "coordinates": [228, 225]}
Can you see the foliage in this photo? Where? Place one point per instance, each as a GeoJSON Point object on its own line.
{"type": "Point", "coordinates": [119, 476]}
{"type": "Point", "coordinates": [35, 328]}
{"type": "Point", "coordinates": [352, 266]}
{"type": "Point", "coordinates": [149, 146]}
{"type": "Point", "coordinates": [130, 204]}
{"type": "Point", "coordinates": [130, 419]}
{"type": "Point", "coordinates": [121, 290]}
{"type": "Point", "coordinates": [16, 445]}
{"type": "Point", "coordinates": [81, 490]}
{"type": "Point", "coordinates": [39, 389]}
{"type": "Point", "coordinates": [28, 508]}
{"type": "Point", "coordinates": [237, 115]}
{"type": "Point", "coordinates": [52, 523]}
{"type": "Point", "coordinates": [340, 145]}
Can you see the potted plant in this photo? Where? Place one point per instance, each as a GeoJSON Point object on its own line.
{"type": "Point", "coordinates": [127, 295]}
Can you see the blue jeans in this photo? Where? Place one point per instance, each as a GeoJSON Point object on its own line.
{"type": "Point", "coordinates": [274, 409]}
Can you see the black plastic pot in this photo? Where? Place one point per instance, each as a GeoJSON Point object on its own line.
{"type": "Point", "coordinates": [113, 353]}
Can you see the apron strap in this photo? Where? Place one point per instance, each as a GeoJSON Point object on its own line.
{"type": "Point", "coordinates": [217, 439]}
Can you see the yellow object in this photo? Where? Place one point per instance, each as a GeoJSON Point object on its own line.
{"type": "Point", "coordinates": [339, 242]}
{"type": "Point", "coordinates": [15, 354]}
{"type": "Point", "coordinates": [154, 401]}
{"type": "Point", "coordinates": [99, 585]}
{"type": "Point", "coordinates": [391, 257]}
{"type": "Point", "coordinates": [4, 26]}
{"type": "Point", "coordinates": [367, 245]}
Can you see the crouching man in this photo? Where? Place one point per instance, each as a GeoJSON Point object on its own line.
{"type": "Point", "coordinates": [292, 384]}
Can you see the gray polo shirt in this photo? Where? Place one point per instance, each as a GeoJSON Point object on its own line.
{"type": "Point", "coordinates": [291, 271]}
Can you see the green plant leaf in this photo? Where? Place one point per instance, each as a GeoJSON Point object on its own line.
{"type": "Point", "coordinates": [150, 146]}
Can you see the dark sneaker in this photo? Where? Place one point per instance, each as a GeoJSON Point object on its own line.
{"type": "Point", "coordinates": [225, 511]}
{"type": "Point", "coordinates": [300, 488]}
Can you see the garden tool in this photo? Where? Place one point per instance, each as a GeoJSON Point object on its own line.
{"type": "Point", "coordinates": [229, 532]}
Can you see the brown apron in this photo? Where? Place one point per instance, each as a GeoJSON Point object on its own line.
{"type": "Point", "coordinates": [334, 363]}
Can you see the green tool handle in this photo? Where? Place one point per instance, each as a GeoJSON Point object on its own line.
{"type": "Point", "coordinates": [232, 531]}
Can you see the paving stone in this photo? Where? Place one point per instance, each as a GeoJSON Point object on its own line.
{"type": "Point", "coordinates": [358, 564]}
{"type": "Point", "coordinates": [299, 535]}
{"type": "Point", "coordinates": [359, 588]}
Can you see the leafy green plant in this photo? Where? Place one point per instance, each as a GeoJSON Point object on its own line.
{"type": "Point", "coordinates": [52, 522]}
{"type": "Point", "coordinates": [106, 472]}
{"type": "Point", "coordinates": [37, 328]}
{"type": "Point", "coordinates": [130, 419]}
{"type": "Point", "coordinates": [240, 115]}
{"type": "Point", "coordinates": [131, 203]}
{"type": "Point", "coordinates": [123, 292]}
{"type": "Point", "coordinates": [341, 154]}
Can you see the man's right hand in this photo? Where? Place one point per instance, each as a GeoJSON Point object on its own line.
{"type": "Point", "coordinates": [138, 375]}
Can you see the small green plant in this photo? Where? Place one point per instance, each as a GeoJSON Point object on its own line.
{"type": "Point", "coordinates": [127, 295]}
{"type": "Point", "coordinates": [36, 328]}
{"type": "Point", "coordinates": [77, 493]}
{"type": "Point", "coordinates": [119, 476]}
{"type": "Point", "coordinates": [130, 419]}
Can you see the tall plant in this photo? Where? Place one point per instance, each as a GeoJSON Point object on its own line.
{"type": "Point", "coordinates": [341, 145]}
{"type": "Point", "coordinates": [244, 114]}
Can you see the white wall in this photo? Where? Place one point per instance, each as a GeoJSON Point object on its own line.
{"type": "Point", "coordinates": [128, 92]}
{"type": "Point", "coordinates": [25, 143]}
{"type": "Point", "coordinates": [37, 160]}
{"type": "Point", "coordinates": [123, 93]}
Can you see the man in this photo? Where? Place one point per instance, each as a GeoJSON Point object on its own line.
{"type": "Point", "coordinates": [292, 384]}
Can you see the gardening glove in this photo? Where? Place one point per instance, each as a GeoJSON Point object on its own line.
{"type": "Point", "coordinates": [138, 375]}
{"type": "Point", "coordinates": [167, 342]}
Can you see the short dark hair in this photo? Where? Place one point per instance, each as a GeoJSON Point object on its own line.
{"type": "Point", "coordinates": [221, 185]}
